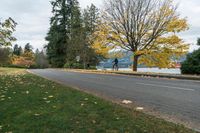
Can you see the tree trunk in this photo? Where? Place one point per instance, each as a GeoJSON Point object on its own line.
{"type": "Point", "coordinates": [135, 63]}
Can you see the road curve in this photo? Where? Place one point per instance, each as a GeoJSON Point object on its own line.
{"type": "Point", "coordinates": [180, 98]}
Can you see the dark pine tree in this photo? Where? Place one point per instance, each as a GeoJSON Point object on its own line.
{"type": "Point", "coordinates": [75, 31]}
{"type": "Point", "coordinates": [57, 36]}
{"type": "Point", "coordinates": [28, 48]}
{"type": "Point", "coordinates": [90, 22]}
{"type": "Point", "coordinates": [17, 50]}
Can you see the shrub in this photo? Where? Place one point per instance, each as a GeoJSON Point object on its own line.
{"type": "Point", "coordinates": [92, 68]}
{"type": "Point", "coordinates": [77, 66]}
{"type": "Point", "coordinates": [192, 64]}
{"type": "Point", "coordinates": [67, 65]}
{"type": "Point", "coordinates": [74, 65]}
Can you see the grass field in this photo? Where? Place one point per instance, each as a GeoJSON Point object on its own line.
{"type": "Point", "coordinates": [30, 104]}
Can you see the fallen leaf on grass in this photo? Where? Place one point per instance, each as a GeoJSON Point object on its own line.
{"type": "Point", "coordinates": [127, 102]}
{"type": "Point", "coordinates": [2, 96]}
{"type": "Point", "coordinates": [42, 86]}
{"type": "Point", "coordinates": [21, 82]}
{"type": "Point", "coordinates": [86, 99]}
{"type": "Point", "coordinates": [37, 114]}
{"type": "Point", "coordinates": [139, 108]}
{"type": "Point", "coordinates": [94, 122]}
{"type": "Point", "coordinates": [48, 101]}
{"type": "Point", "coordinates": [9, 132]}
{"type": "Point", "coordinates": [2, 99]}
{"type": "Point", "coordinates": [50, 96]}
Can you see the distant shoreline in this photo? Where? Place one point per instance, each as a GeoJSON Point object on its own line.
{"type": "Point", "coordinates": [154, 70]}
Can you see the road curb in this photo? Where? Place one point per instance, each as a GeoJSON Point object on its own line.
{"type": "Point", "coordinates": [170, 76]}
{"type": "Point", "coordinates": [163, 76]}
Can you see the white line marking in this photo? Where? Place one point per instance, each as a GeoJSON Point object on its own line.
{"type": "Point", "coordinates": [178, 88]}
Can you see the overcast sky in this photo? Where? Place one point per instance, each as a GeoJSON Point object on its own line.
{"type": "Point", "coordinates": [33, 17]}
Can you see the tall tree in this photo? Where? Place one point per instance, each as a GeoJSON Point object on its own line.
{"type": "Point", "coordinates": [6, 32]}
{"type": "Point", "coordinates": [41, 59]}
{"type": "Point", "coordinates": [58, 34]}
{"type": "Point", "coordinates": [91, 18]}
{"type": "Point", "coordinates": [145, 27]}
{"type": "Point", "coordinates": [198, 41]}
{"type": "Point", "coordinates": [75, 31]}
{"type": "Point", "coordinates": [69, 34]}
{"type": "Point", "coordinates": [90, 22]}
{"type": "Point", "coordinates": [17, 50]}
{"type": "Point", "coordinates": [28, 48]}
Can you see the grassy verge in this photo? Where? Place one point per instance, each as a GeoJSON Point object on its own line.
{"type": "Point", "coordinates": [30, 104]}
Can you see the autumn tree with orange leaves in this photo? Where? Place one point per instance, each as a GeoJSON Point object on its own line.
{"type": "Point", "coordinates": [26, 59]}
{"type": "Point", "coordinates": [147, 28]}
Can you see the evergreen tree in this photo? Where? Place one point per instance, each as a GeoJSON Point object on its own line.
{"type": "Point", "coordinates": [28, 48]}
{"type": "Point", "coordinates": [57, 36]}
{"type": "Point", "coordinates": [90, 17]}
{"type": "Point", "coordinates": [37, 51]}
{"type": "Point", "coordinates": [75, 46]}
{"type": "Point", "coordinates": [69, 33]}
{"type": "Point", "coordinates": [40, 59]}
{"type": "Point", "coordinates": [17, 50]}
{"type": "Point", "coordinates": [198, 41]}
{"type": "Point", "coordinates": [20, 51]}
{"type": "Point", "coordinates": [90, 22]}
{"type": "Point", "coordinates": [192, 63]}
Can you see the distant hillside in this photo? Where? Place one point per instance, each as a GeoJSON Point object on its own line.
{"type": "Point", "coordinates": [126, 62]}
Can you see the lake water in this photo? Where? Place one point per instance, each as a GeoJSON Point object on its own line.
{"type": "Point", "coordinates": [154, 70]}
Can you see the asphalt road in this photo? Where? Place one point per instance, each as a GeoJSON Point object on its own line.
{"type": "Point", "coordinates": [180, 98]}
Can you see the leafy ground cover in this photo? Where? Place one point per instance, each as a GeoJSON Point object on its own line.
{"type": "Point", "coordinates": [30, 104]}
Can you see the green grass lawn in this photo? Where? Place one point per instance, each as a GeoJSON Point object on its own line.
{"type": "Point", "coordinates": [30, 104]}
